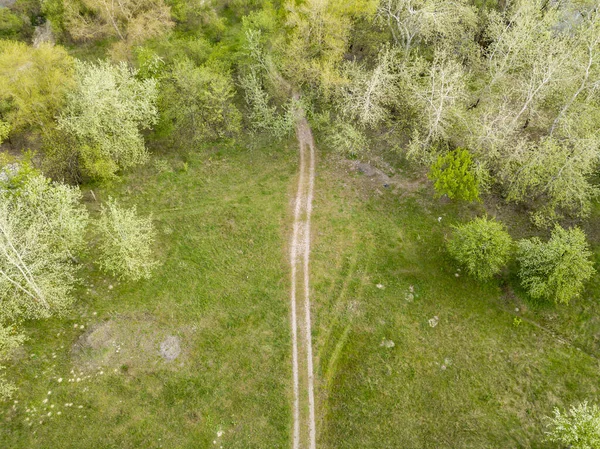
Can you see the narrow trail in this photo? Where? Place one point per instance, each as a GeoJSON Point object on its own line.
{"type": "Point", "coordinates": [304, 430]}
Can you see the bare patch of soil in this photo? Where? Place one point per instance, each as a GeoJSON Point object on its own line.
{"type": "Point", "coordinates": [170, 348]}
{"type": "Point", "coordinates": [378, 176]}
{"type": "Point", "coordinates": [43, 34]}
{"type": "Point", "coordinates": [139, 343]}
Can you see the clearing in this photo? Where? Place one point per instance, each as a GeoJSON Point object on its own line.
{"type": "Point", "coordinates": [200, 355]}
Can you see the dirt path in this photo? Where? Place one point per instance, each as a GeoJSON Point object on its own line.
{"type": "Point", "coordinates": [304, 431]}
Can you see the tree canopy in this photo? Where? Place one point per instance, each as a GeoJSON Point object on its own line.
{"type": "Point", "coordinates": [34, 83]}
{"type": "Point", "coordinates": [557, 269]}
{"type": "Point", "coordinates": [105, 114]}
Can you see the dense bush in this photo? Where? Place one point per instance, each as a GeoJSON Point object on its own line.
{"type": "Point", "coordinates": [555, 270]}
{"type": "Point", "coordinates": [126, 246]}
{"type": "Point", "coordinates": [197, 102]}
{"type": "Point", "coordinates": [483, 246]}
{"type": "Point", "coordinates": [453, 175]}
{"type": "Point", "coordinates": [579, 428]}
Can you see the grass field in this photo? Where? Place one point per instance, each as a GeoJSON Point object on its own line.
{"type": "Point", "coordinates": [387, 376]}
{"type": "Point", "coordinates": [222, 290]}
{"type": "Point", "coordinates": [478, 378]}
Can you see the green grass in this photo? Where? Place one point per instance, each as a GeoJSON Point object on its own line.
{"type": "Point", "coordinates": [475, 380]}
{"type": "Point", "coordinates": [222, 289]}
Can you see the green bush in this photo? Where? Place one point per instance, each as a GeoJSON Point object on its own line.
{"type": "Point", "coordinates": [453, 175]}
{"type": "Point", "coordinates": [579, 428]}
{"type": "Point", "coordinates": [555, 270]}
{"type": "Point", "coordinates": [197, 103]}
{"type": "Point", "coordinates": [483, 246]}
{"type": "Point", "coordinates": [61, 158]}
{"type": "Point", "coordinates": [126, 248]}
{"type": "Point", "coordinates": [11, 25]}
{"type": "Point", "coordinates": [347, 139]}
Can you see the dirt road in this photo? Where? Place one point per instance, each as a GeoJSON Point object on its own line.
{"type": "Point", "coordinates": [304, 430]}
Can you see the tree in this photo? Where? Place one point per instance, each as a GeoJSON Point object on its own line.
{"type": "Point", "coordinates": [34, 83]}
{"type": "Point", "coordinates": [535, 118]}
{"type": "Point", "coordinates": [583, 65]}
{"type": "Point", "coordinates": [555, 173]}
{"type": "Point", "coordinates": [369, 93]}
{"type": "Point", "coordinates": [483, 246]}
{"type": "Point", "coordinates": [438, 92]}
{"type": "Point", "coordinates": [263, 115]}
{"type": "Point", "coordinates": [263, 85]}
{"type": "Point", "coordinates": [42, 227]}
{"type": "Point", "coordinates": [346, 139]}
{"type": "Point", "coordinates": [130, 21]}
{"type": "Point", "coordinates": [105, 114]}
{"type": "Point", "coordinates": [555, 270]}
{"type": "Point", "coordinates": [319, 32]}
{"type": "Point", "coordinates": [126, 248]}
{"type": "Point", "coordinates": [198, 102]}
{"type": "Point", "coordinates": [453, 175]}
{"type": "Point", "coordinates": [11, 25]}
{"type": "Point", "coordinates": [579, 428]}
{"type": "Point", "coordinates": [412, 22]}
{"type": "Point", "coordinates": [525, 61]}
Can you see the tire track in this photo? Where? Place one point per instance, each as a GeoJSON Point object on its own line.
{"type": "Point", "coordinates": [304, 428]}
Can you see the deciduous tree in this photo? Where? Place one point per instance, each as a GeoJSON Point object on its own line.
{"type": "Point", "coordinates": [130, 21]}
{"type": "Point", "coordinates": [555, 270]}
{"type": "Point", "coordinates": [42, 227]}
{"type": "Point", "coordinates": [369, 94]}
{"type": "Point", "coordinates": [34, 83]}
{"type": "Point", "coordinates": [319, 32]}
{"type": "Point", "coordinates": [432, 22]}
{"type": "Point", "coordinates": [105, 114]}
{"type": "Point", "coordinates": [438, 91]}
{"type": "Point", "coordinates": [198, 102]}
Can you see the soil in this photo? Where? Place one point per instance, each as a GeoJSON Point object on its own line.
{"type": "Point", "coordinates": [138, 342]}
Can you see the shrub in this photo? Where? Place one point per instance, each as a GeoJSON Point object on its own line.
{"type": "Point", "coordinates": [453, 175]}
{"type": "Point", "coordinates": [11, 25]}
{"type": "Point", "coordinates": [126, 248]}
{"type": "Point", "coordinates": [263, 115]}
{"type": "Point", "coordinates": [579, 428]}
{"type": "Point", "coordinates": [347, 139]}
{"type": "Point", "coordinates": [483, 246]}
{"type": "Point", "coordinates": [61, 159]}
{"type": "Point", "coordinates": [555, 270]}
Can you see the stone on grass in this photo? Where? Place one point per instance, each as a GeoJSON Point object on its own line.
{"type": "Point", "coordinates": [387, 343]}
{"type": "Point", "coordinates": [433, 322]}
